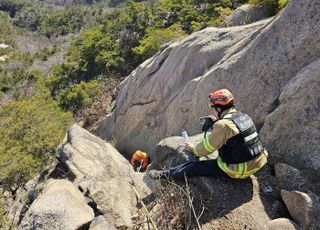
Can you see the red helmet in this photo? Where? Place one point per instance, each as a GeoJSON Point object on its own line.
{"type": "Point", "coordinates": [221, 97]}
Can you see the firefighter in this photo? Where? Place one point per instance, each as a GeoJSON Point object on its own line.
{"type": "Point", "coordinates": [140, 161]}
{"type": "Point", "coordinates": [233, 135]}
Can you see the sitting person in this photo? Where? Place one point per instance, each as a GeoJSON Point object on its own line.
{"type": "Point", "coordinates": [234, 135]}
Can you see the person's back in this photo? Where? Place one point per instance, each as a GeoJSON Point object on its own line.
{"type": "Point", "coordinates": [140, 161]}
{"type": "Point", "coordinates": [234, 135]}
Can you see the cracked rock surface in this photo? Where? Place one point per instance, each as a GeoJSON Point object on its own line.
{"type": "Point", "coordinates": [272, 68]}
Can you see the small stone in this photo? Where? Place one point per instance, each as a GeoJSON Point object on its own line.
{"type": "Point", "coordinates": [281, 224]}
{"type": "Point", "coordinates": [134, 217]}
{"type": "Point", "coordinates": [289, 178]}
{"type": "Point", "coordinates": [267, 189]}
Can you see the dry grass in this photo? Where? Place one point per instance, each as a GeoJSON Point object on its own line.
{"type": "Point", "coordinates": [178, 206]}
{"type": "Point", "coordinates": [89, 118]}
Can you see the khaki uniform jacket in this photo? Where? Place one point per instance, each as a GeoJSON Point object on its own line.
{"type": "Point", "coordinates": [223, 130]}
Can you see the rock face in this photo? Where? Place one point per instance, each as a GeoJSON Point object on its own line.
{"type": "Point", "coordinates": [60, 206]}
{"type": "Point", "coordinates": [272, 68]}
{"type": "Point", "coordinates": [88, 156]}
{"type": "Point", "coordinates": [289, 178]}
{"type": "Point", "coordinates": [246, 14]}
{"type": "Point", "coordinates": [293, 128]}
{"type": "Point", "coordinates": [160, 97]}
{"type": "Point", "coordinates": [224, 205]}
{"type": "Point", "coordinates": [95, 168]}
{"type": "Point", "coordinates": [228, 208]}
{"type": "Point", "coordinates": [170, 152]}
{"type": "Point", "coordinates": [103, 174]}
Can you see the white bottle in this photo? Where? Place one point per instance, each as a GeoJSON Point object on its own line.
{"type": "Point", "coordinates": [185, 137]}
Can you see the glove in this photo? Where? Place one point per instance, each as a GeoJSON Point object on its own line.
{"type": "Point", "coordinates": [207, 124]}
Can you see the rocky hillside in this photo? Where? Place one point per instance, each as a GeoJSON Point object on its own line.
{"type": "Point", "coordinates": [92, 186]}
{"type": "Point", "coordinates": [272, 68]}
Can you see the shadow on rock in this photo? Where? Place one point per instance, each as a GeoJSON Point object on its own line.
{"type": "Point", "coordinates": [212, 198]}
{"type": "Point", "coordinates": [293, 195]}
{"type": "Point", "coordinates": [221, 196]}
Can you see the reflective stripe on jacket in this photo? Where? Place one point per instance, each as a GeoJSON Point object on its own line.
{"type": "Point", "coordinates": [223, 130]}
{"type": "Point", "coordinates": [246, 145]}
{"type": "Point", "coordinates": [243, 170]}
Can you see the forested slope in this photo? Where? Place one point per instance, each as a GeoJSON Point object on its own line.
{"type": "Point", "coordinates": [61, 62]}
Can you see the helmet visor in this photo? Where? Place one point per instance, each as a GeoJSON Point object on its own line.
{"type": "Point", "coordinates": [210, 99]}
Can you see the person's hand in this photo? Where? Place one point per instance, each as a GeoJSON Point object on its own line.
{"type": "Point", "coordinates": [189, 147]}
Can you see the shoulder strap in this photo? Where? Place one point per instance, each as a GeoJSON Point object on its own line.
{"type": "Point", "coordinates": [229, 115]}
{"type": "Point", "coordinates": [242, 121]}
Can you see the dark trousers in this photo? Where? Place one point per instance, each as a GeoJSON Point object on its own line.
{"type": "Point", "coordinates": [208, 168]}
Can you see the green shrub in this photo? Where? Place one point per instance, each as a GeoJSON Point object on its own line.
{"type": "Point", "coordinates": [130, 34]}
{"type": "Point", "coordinates": [30, 130]}
{"type": "Point", "coordinates": [50, 20]}
{"type": "Point", "coordinates": [30, 17]}
{"type": "Point", "coordinates": [223, 14]}
{"type": "Point", "coordinates": [1, 209]}
{"type": "Point", "coordinates": [190, 15]}
{"type": "Point", "coordinates": [6, 221]}
{"type": "Point", "coordinates": [105, 49]}
{"type": "Point", "coordinates": [282, 4]}
{"type": "Point", "coordinates": [273, 5]}
{"type": "Point", "coordinates": [155, 38]}
{"type": "Point", "coordinates": [6, 29]}
{"type": "Point", "coordinates": [63, 22]}
{"type": "Point", "coordinates": [95, 52]}
{"type": "Point", "coordinates": [12, 6]}
{"type": "Point", "coordinates": [5, 23]}
{"type": "Point", "coordinates": [46, 52]}
{"type": "Point", "coordinates": [79, 96]}
{"type": "Point", "coordinates": [10, 78]}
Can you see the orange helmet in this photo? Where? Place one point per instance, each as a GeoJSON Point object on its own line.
{"type": "Point", "coordinates": [220, 97]}
{"type": "Point", "coordinates": [140, 160]}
